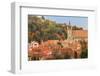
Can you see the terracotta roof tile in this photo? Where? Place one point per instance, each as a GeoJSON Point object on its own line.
{"type": "Point", "coordinates": [80, 33]}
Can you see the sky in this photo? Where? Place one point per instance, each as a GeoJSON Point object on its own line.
{"type": "Point", "coordinates": [74, 20]}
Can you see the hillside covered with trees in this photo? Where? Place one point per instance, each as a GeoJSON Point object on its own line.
{"type": "Point", "coordinates": [40, 28]}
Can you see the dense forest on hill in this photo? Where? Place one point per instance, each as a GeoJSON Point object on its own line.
{"type": "Point", "coordinates": [40, 28]}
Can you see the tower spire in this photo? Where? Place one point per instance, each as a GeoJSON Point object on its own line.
{"type": "Point", "coordinates": [69, 23]}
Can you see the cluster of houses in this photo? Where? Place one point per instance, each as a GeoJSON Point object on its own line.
{"type": "Point", "coordinates": [46, 49]}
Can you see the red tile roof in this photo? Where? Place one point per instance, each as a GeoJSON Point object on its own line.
{"type": "Point", "coordinates": [80, 33]}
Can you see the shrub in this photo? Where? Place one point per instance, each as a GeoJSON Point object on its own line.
{"type": "Point", "coordinates": [84, 53]}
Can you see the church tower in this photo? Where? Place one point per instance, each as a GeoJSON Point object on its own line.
{"type": "Point", "coordinates": [69, 31]}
